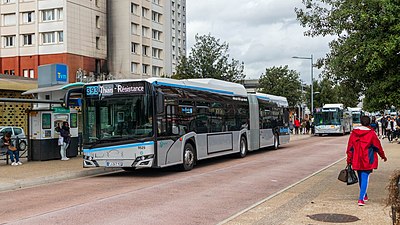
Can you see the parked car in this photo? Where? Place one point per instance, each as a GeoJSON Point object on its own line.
{"type": "Point", "coordinates": [15, 132]}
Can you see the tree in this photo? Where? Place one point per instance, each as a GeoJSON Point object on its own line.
{"type": "Point", "coordinates": [282, 81]}
{"type": "Point", "coordinates": [366, 51]}
{"type": "Point", "coordinates": [209, 59]}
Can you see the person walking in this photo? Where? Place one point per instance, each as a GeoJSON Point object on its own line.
{"type": "Point", "coordinates": [66, 139]}
{"type": "Point", "coordinates": [362, 152]}
{"type": "Point", "coordinates": [384, 123]}
{"type": "Point", "coordinates": [7, 146]}
{"type": "Point", "coordinates": [296, 125]}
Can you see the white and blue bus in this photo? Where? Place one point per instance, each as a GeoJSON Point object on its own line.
{"type": "Point", "coordinates": [160, 122]}
{"type": "Point", "coordinates": [332, 119]}
{"type": "Point", "coordinates": [356, 114]}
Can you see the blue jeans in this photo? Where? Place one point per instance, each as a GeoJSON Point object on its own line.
{"type": "Point", "coordinates": [12, 154]}
{"type": "Point", "coordinates": [363, 179]}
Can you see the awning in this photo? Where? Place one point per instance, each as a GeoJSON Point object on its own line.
{"type": "Point", "coordinates": [54, 88]}
{"type": "Point", "coordinates": [17, 84]}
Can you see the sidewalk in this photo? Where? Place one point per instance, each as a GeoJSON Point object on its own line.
{"type": "Point", "coordinates": [322, 199]}
{"type": "Point", "coordinates": [34, 173]}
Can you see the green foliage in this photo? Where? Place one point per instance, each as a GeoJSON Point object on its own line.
{"type": "Point", "coordinates": [209, 59]}
{"type": "Point", "coordinates": [366, 51]}
{"type": "Point", "coordinates": [282, 81]}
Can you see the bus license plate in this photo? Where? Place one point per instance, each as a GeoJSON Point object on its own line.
{"type": "Point", "coordinates": [115, 164]}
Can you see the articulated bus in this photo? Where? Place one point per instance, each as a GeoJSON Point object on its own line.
{"type": "Point", "coordinates": [356, 114]}
{"type": "Point", "coordinates": [160, 122]}
{"type": "Point", "coordinates": [332, 119]}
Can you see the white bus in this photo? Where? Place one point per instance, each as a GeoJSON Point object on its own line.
{"type": "Point", "coordinates": [332, 119]}
{"type": "Point", "coordinates": [356, 114]}
{"type": "Point", "coordinates": [160, 122]}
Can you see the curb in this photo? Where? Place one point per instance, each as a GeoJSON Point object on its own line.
{"type": "Point", "coordinates": [26, 183]}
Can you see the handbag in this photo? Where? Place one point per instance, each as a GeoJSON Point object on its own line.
{"type": "Point", "coordinates": [343, 175]}
{"type": "Point", "coordinates": [351, 176]}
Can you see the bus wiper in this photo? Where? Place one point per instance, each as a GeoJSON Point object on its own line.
{"type": "Point", "coordinates": [110, 139]}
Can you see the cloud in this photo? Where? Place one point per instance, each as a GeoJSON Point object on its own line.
{"type": "Point", "coordinates": [261, 33]}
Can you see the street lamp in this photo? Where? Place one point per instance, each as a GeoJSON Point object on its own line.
{"type": "Point", "coordinates": [312, 79]}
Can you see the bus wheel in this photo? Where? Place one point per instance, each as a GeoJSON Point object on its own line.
{"type": "Point", "coordinates": [243, 147]}
{"type": "Point", "coordinates": [129, 169]}
{"type": "Point", "coordinates": [276, 142]}
{"type": "Point", "coordinates": [188, 157]}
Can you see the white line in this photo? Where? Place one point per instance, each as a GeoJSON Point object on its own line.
{"type": "Point", "coordinates": [276, 193]}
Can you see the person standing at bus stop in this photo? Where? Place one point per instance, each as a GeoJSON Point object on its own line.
{"type": "Point", "coordinates": [296, 125]}
{"type": "Point", "coordinates": [362, 154]}
{"type": "Point", "coordinates": [66, 136]}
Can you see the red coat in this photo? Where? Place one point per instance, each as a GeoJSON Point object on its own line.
{"type": "Point", "coordinates": [296, 123]}
{"type": "Point", "coordinates": [363, 149]}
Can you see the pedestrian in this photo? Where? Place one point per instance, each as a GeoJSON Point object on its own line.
{"type": "Point", "coordinates": [65, 135]}
{"type": "Point", "coordinates": [308, 126]}
{"type": "Point", "coordinates": [384, 123]}
{"type": "Point", "coordinates": [6, 145]}
{"type": "Point", "coordinates": [296, 125]}
{"type": "Point", "coordinates": [362, 154]}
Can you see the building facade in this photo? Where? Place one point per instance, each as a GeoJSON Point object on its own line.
{"type": "Point", "coordinates": [146, 37]}
{"type": "Point", "coordinates": [40, 32]}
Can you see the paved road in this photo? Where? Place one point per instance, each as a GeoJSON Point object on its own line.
{"type": "Point", "coordinates": [212, 192]}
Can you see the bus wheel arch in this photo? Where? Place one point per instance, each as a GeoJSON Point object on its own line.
{"type": "Point", "coordinates": [243, 149]}
{"type": "Point", "coordinates": [189, 156]}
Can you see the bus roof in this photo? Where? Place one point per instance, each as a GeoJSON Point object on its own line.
{"type": "Point", "coordinates": [280, 100]}
{"type": "Point", "coordinates": [338, 105]}
{"type": "Point", "coordinates": [354, 109]}
{"type": "Point", "coordinates": [206, 84]}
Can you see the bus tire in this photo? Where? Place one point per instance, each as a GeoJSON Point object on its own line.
{"type": "Point", "coordinates": [276, 142]}
{"type": "Point", "coordinates": [243, 147]}
{"type": "Point", "coordinates": [129, 169]}
{"type": "Point", "coordinates": [189, 157]}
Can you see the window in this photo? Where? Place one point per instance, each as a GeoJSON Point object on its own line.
{"type": "Point", "coordinates": [98, 21]}
{"type": "Point", "coordinates": [9, 41]}
{"type": "Point", "coordinates": [145, 12]}
{"type": "Point", "coordinates": [134, 28]}
{"type": "Point", "coordinates": [28, 39]}
{"type": "Point", "coordinates": [60, 36]}
{"type": "Point", "coordinates": [134, 8]}
{"type": "Point", "coordinates": [9, 19]}
{"type": "Point", "coordinates": [97, 42]}
{"type": "Point", "coordinates": [8, 1]}
{"type": "Point", "coordinates": [96, 2]}
{"type": "Point", "coordinates": [12, 72]}
{"type": "Point", "coordinates": [32, 73]}
{"type": "Point", "coordinates": [155, 16]}
{"type": "Point", "coordinates": [134, 67]}
{"type": "Point", "coordinates": [145, 50]}
{"type": "Point", "coordinates": [26, 73]}
{"type": "Point", "coordinates": [48, 38]}
{"type": "Point", "coordinates": [156, 71]}
{"type": "Point", "coordinates": [134, 48]}
{"type": "Point", "coordinates": [52, 14]}
{"type": "Point", "coordinates": [145, 68]}
{"type": "Point", "coordinates": [157, 2]}
{"type": "Point", "coordinates": [48, 15]}
{"type": "Point", "coordinates": [145, 31]}
{"type": "Point", "coordinates": [156, 35]}
{"type": "Point", "coordinates": [28, 17]}
{"type": "Point", "coordinates": [157, 53]}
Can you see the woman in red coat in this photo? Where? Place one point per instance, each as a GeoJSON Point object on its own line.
{"type": "Point", "coordinates": [362, 154]}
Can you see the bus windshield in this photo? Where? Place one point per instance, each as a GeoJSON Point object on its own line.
{"type": "Point", "coordinates": [356, 117]}
{"type": "Point", "coordinates": [117, 118]}
{"type": "Point", "coordinates": [327, 118]}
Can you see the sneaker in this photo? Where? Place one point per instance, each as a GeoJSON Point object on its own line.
{"type": "Point", "coordinates": [19, 163]}
{"type": "Point", "coordinates": [65, 159]}
{"type": "Point", "coordinates": [14, 164]}
{"type": "Point", "coordinates": [361, 203]}
{"type": "Point", "coordinates": [366, 198]}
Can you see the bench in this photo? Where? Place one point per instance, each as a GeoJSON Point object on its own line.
{"type": "Point", "coordinates": [5, 157]}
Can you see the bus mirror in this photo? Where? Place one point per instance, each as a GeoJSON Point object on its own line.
{"type": "Point", "coordinates": [160, 102]}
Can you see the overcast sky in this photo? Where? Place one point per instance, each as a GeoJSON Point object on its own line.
{"type": "Point", "coordinates": [261, 33]}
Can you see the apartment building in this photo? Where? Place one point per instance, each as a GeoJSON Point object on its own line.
{"type": "Point", "coordinates": [39, 32]}
{"type": "Point", "coordinates": [146, 37]}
